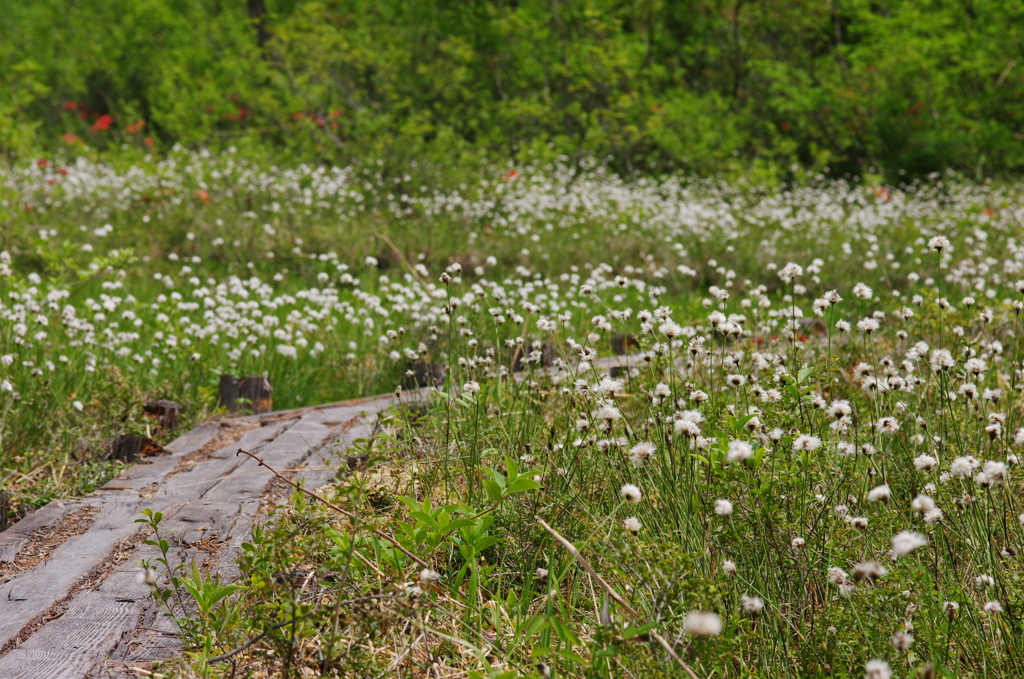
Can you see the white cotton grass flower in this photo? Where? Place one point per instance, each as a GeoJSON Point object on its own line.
{"type": "Point", "coordinates": [806, 442]}
{"type": "Point", "coordinates": [922, 504]}
{"type": "Point", "coordinates": [632, 524]}
{"type": "Point", "coordinates": [983, 581]}
{"type": "Point", "coordinates": [906, 542]}
{"type": "Point", "coordinates": [608, 412]}
{"type": "Point", "coordinates": [992, 607]}
{"type": "Point", "coordinates": [78, 405]}
{"type": "Point", "coordinates": [631, 493]}
{"type": "Point", "coordinates": [867, 325]}
{"type": "Point", "coordinates": [941, 360]}
{"type": "Point", "coordinates": [471, 387]}
{"type": "Point", "coordinates": [702, 624]}
{"type": "Point", "coordinates": [837, 576]}
{"type": "Point", "coordinates": [429, 577]}
{"type": "Point", "coordinates": [924, 463]}
{"type": "Point", "coordinates": [641, 453]}
{"type": "Point", "coordinates": [962, 466]}
{"type": "Point", "coordinates": [686, 427]}
{"type": "Point", "coordinates": [739, 451]}
{"type": "Point", "coordinates": [869, 571]}
{"type": "Point", "coordinates": [723, 507]}
{"type": "Point", "coordinates": [995, 471]}
{"type": "Point", "coordinates": [888, 425]}
{"type": "Point", "coordinates": [752, 605]}
{"type": "Point", "coordinates": [541, 573]}
{"type": "Point", "coordinates": [902, 640]}
{"type": "Point", "coordinates": [938, 243]}
{"type": "Point", "coordinates": [879, 494]}
{"type": "Point", "coordinates": [877, 669]}
{"type": "Point", "coordinates": [862, 291]}
{"type": "Point", "coordinates": [729, 567]}
{"type": "Point", "coordinates": [790, 271]}
{"type": "Point", "coordinates": [147, 576]}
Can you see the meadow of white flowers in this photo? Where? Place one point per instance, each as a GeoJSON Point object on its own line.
{"type": "Point", "coordinates": [810, 468]}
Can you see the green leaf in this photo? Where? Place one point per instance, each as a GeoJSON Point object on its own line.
{"type": "Point", "coordinates": [573, 657]}
{"type": "Point", "coordinates": [485, 542]}
{"type": "Point", "coordinates": [493, 490]}
{"type": "Point", "coordinates": [511, 467]}
{"type": "Point", "coordinates": [521, 484]}
{"type": "Point", "coordinates": [425, 518]}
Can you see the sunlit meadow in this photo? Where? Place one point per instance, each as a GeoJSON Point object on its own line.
{"type": "Point", "coordinates": [808, 469]}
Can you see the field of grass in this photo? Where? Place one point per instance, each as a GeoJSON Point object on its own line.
{"type": "Point", "coordinates": [810, 469]}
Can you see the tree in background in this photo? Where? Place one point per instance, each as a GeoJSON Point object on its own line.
{"type": "Point", "coordinates": [702, 85]}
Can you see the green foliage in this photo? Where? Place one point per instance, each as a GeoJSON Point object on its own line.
{"type": "Point", "coordinates": [704, 85]}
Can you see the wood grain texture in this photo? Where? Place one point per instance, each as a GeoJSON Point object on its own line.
{"type": "Point", "coordinates": [33, 592]}
{"type": "Point", "coordinates": [15, 537]}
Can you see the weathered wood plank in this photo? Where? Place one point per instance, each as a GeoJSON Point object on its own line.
{"type": "Point", "coordinates": [39, 588]}
{"type": "Point", "coordinates": [194, 439]}
{"type": "Point", "coordinates": [290, 448]}
{"type": "Point", "coordinates": [15, 537]}
{"type": "Point", "coordinates": [200, 520]}
{"type": "Point", "coordinates": [196, 482]}
{"type": "Point", "coordinates": [43, 664]}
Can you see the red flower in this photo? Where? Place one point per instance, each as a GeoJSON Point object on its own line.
{"type": "Point", "coordinates": [103, 123]}
{"type": "Point", "coordinates": [149, 141]}
{"type": "Point", "coordinates": [70, 105]}
{"type": "Point", "coordinates": [510, 175]}
{"type": "Point", "coordinates": [71, 138]}
{"type": "Point", "coordinates": [136, 126]}
{"type": "Point", "coordinates": [62, 172]}
{"type": "Point", "coordinates": [43, 162]}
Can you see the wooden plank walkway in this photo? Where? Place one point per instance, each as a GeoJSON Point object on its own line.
{"type": "Point", "coordinates": [79, 611]}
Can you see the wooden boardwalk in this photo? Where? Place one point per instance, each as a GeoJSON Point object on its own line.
{"type": "Point", "coordinates": [78, 609]}
{"type": "Point", "coordinates": [71, 604]}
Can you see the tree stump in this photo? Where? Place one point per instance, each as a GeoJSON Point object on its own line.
{"type": "Point", "coordinates": [164, 412]}
{"type": "Point", "coordinates": [129, 447]}
{"type": "Point", "coordinates": [624, 344]}
{"type": "Point", "coordinates": [425, 375]}
{"type": "Point", "coordinates": [254, 394]}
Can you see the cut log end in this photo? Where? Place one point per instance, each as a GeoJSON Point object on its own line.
{"type": "Point", "coordinates": [252, 394]}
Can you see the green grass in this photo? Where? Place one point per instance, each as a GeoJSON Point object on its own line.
{"type": "Point", "coordinates": [691, 270]}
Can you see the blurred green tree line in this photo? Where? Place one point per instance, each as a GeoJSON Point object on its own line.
{"type": "Point", "coordinates": [699, 85]}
